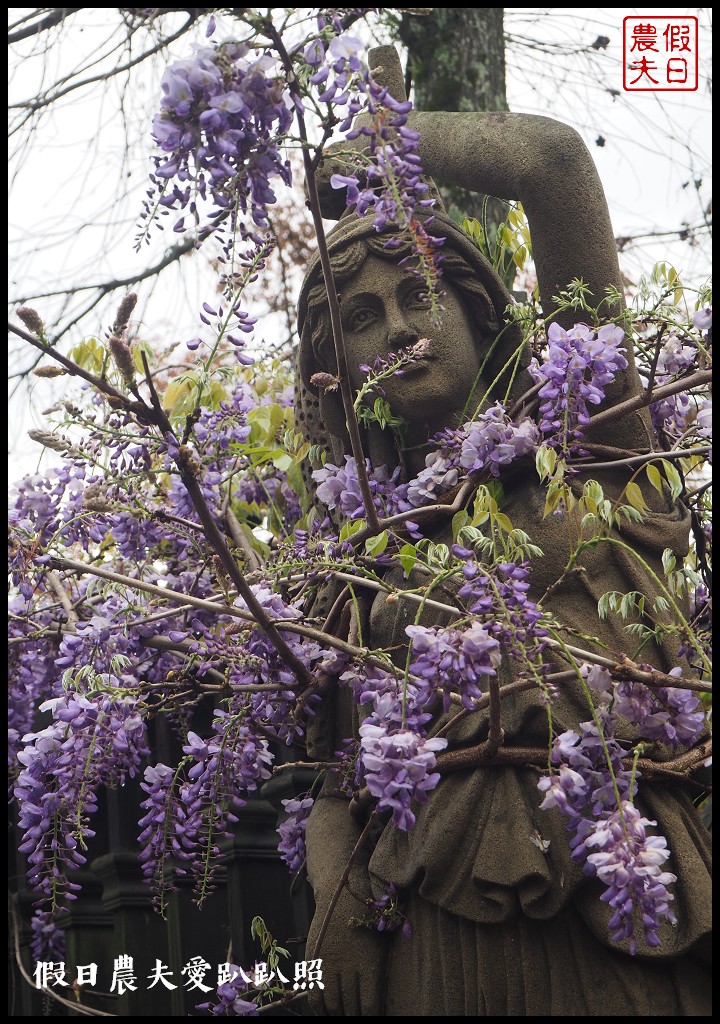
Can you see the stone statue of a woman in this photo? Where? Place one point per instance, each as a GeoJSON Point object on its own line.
{"type": "Point", "coordinates": [504, 923]}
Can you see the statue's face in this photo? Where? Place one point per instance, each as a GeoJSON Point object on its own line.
{"type": "Point", "coordinates": [384, 309]}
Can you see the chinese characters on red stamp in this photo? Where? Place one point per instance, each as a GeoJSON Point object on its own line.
{"type": "Point", "coordinates": [660, 54]}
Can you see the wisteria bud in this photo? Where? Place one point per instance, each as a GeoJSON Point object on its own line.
{"type": "Point", "coordinates": [125, 309]}
{"type": "Point", "coordinates": [325, 381]}
{"type": "Point", "coordinates": [96, 500]}
{"type": "Point", "coordinates": [421, 348]}
{"type": "Point", "coordinates": [49, 371]}
{"type": "Point", "coordinates": [220, 571]}
{"type": "Point", "coordinates": [186, 460]}
{"type": "Point", "coordinates": [123, 358]}
{"type": "Point", "coordinates": [48, 440]}
{"type": "Point", "coordinates": [32, 320]}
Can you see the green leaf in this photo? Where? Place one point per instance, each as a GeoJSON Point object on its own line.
{"type": "Point", "coordinates": [503, 522]}
{"type": "Point", "coordinates": [635, 496]}
{"type": "Point", "coordinates": [301, 453]}
{"type": "Point", "coordinates": [668, 561]}
{"type": "Point", "coordinates": [459, 520]}
{"type": "Point", "coordinates": [282, 461]}
{"type": "Point", "coordinates": [351, 527]}
{"type": "Point", "coordinates": [673, 478]}
{"type": "Point", "coordinates": [553, 496]}
{"type": "Point", "coordinates": [179, 397]}
{"type": "Point", "coordinates": [439, 553]}
{"type": "Point", "coordinates": [545, 461]}
{"type": "Point", "coordinates": [90, 355]}
{"type": "Point", "coordinates": [653, 475]}
{"type": "Point", "coordinates": [376, 545]}
{"type": "Point", "coordinates": [594, 492]}
{"type": "Point", "coordinates": [408, 557]}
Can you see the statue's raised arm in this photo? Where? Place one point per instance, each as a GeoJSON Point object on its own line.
{"type": "Point", "coordinates": [544, 164]}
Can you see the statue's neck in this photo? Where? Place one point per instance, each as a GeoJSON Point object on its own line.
{"type": "Point", "coordinates": [419, 441]}
{"type": "Point", "coordinates": [383, 449]}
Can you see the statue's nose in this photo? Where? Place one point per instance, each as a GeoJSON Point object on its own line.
{"type": "Point", "coordinates": [400, 332]}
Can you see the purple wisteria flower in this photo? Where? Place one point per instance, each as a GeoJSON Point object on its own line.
{"type": "Point", "coordinates": [398, 768]}
{"type": "Point", "coordinates": [629, 863]}
{"type": "Point", "coordinates": [162, 826]}
{"type": "Point", "coordinates": [498, 596]}
{"type": "Point", "coordinates": [671, 414]}
{"type": "Point", "coordinates": [48, 940]}
{"type": "Point", "coordinates": [220, 126]}
{"type": "Point", "coordinates": [230, 997]}
{"type": "Point", "coordinates": [704, 420]}
{"type": "Point", "coordinates": [454, 660]}
{"type": "Point", "coordinates": [186, 816]}
{"type": "Point", "coordinates": [481, 446]}
{"type": "Point", "coordinates": [91, 742]}
{"type": "Point", "coordinates": [31, 672]}
{"type": "Point", "coordinates": [387, 180]}
{"type": "Point", "coordinates": [292, 831]}
{"type": "Point", "coordinates": [441, 474]}
{"type": "Point", "coordinates": [593, 789]}
{"type": "Point", "coordinates": [384, 914]}
{"type": "Point", "coordinates": [339, 487]}
{"type": "Point", "coordinates": [579, 365]}
{"type": "Point", "coordinates": [703, 319]}
{"type": "Point", "coordinates": [666, 714]}
{"type": "Point", "coordinates": [493, 441]}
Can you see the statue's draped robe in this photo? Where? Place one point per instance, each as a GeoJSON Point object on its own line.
{"type": "Point", "coordinates": [501, 928]}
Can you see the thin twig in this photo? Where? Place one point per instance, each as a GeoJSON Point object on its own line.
{"type": "Point", "coordinates": [73, 368]}
{"type": "Point", "coordinates": [218, 542]}
{"type": "Point", "coordinates": [332, 297]}
{"type": "Point", "coordinates": [496, 733]}
{"type": "Point", "coordinates": [75, 1006]}
{"type": "Point", "coordinates": [427, 511]}
{"type": "Point", "coordinates": [654, 678]}
{"type": "Point", "coordinates": [238, 535]}
{"type": "Point", "coordinates": [639, 460]}
{"type": "Point", "coordinates": [64, 598]}
{"type": "Point", "coordinates": [318, 765]}
{"type": "Point", "coordinates": [475, 757]}
{"type": "Point", "coordinates": [288, 625]}
{"type": "Point", "coordinates": [695, 380]}
{"type": "Point", "coordinates": [341, 885]}
{"type": "Point", "coordinates": [655, 359]}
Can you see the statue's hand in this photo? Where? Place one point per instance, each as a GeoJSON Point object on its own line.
{"type": "Point", "coordinates": [384, 63]}
{"type": "Point", "coordinates": [353, 957]}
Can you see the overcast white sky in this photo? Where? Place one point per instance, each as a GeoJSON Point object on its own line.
{"type": "Point", "coordinates": [656, 146]}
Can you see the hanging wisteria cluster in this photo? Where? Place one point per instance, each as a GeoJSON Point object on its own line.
{"type": "Point", "coordinates": [165, 567]}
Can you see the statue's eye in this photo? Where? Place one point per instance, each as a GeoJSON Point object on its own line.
{"type": "Point", "coordinates": [417, 297]}
{"type": "Point", "coordinates": [361, 316]}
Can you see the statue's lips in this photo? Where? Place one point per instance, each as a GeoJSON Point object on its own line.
{"type": "Point", "coordinates": [421, 363]}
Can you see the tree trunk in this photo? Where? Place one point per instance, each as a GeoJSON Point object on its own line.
{"type": "Point", "coordinates": [456, 61]}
